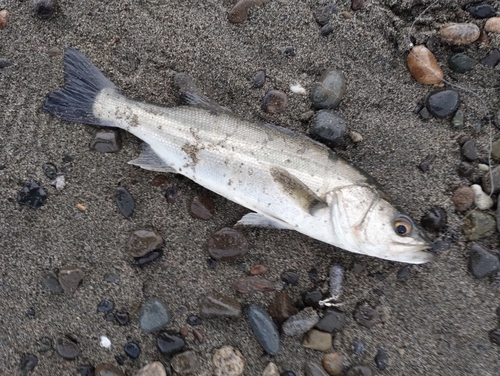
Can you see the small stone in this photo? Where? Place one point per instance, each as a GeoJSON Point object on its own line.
{"type": "Point", "coordinates": [110, 277]}
{"type": "Point", "coordinates": [258, 269]}
{"type": "Point", "coordinates": [105, 342]}
{"type": "Point", "coordinates": [220, 306]}
{"type": "Point", "coordinates": [434, 219]}
{"type": "Point", "coordinates": [317, 340]}
{"type": "Point", "coordinates": [333, 363]}
{"type": "Point", "coordinates": [487, 182]}
{"type": "Point", "coordinates": [107, 142]}
{"type": "Point", "coordinates": [495, 150]}
{"type": "Point", "coordinates": [152, 369]}
{"type": "Point", "coordinates": [461, 63]}
{"type": "Point", "coordinates": [32, 195]}
{"type": "Point", "coordinates": [185, 362]}
{"type": "Point", "coordinates": [227, 244]}
{"type": "Point", "coordinates": [478, 225]}
{"type": "Point", "coordinates": [252, 284]}
{"type": "Point", "coordinates": [481, 199]}
{"type": "Point", "coordinates": [259, 79]}
{"type": "Point", "coordinates": [106, 369]}
{"type": "Point", "coordinates": [282, 307]}
{"type": "Point", "coordinates": [328, 128]}
{"type": "Point", "coordinates": [460, 33]}
{"type": "Point", "coordinates": [159, 180]}
{"type": "Point", "coordinates": [381, 359]}
{"type": "Point", "coordinates": [314, 276]}
{"type": "Point", "coordinates": [148, 258]}
{"type": "Point", "coordinates": [442, 104]}
{"type": "Point", "coordinates": [366, 316]}
{"type": "Point", "coordinates": [45, 9]}
{"type": "Point", "coordinates": [322, 14]}
{"type": "Point", "coordinates": [483, 167]}
{"type": "Point", "coordinates": [194, 320]}
{"type": "Point", "coordinates": [274, 102]}
{"type": "Point", "coordinates": [495, 336]}
{"type": "Point", "coordinates": [202, 207]}
{"type": "Point", "coordinates": [359, 371]}
{"type": "Point", "coordinates": [171, 194]}
{"type": "Point", "coordinates": [4, 63]}
{"type": "Point", "coordinates": [300, 323]}
{"type": "Point", "coordinates": [67, 349]}
{"type": "Point", "coordinates": [465, 169]}
{"type": "Point", "coordinates": [198, 336]}
{"type": "Point", "coordinates": [105, 305]}
{"type": "Point", "coordinates": [469, 150]}
{"type": "Point", "coordinates": [59, 182]}
{"type": "Point", "coordinates": [169, 344]}
{"type": "Point", "coordinates": [313, 369]}
{"type": "Point", "coordinates": [70, 278]}
{"type": "Point", "coordinates": [85, 370]}
{"type": "Point", "coordinates": [424, 114]}
{"type": "Point", "coordinates": [289, 51]}
{"type": "Point", "coordinates": [27, 364]}
{"type": "Point", "coordinates": [492, 25]}
{"type": "Point", "coordinates": [358, 347]}
{"type": "Point", "coordinates": [357, 5]}
{"type": "Point", "coordinates": [153, 316]}
{"type": "Point", "coordinates": [54, 51]}
{"type": "Point", "coordinates": [132, 350]}
{"type": "Point", "coordinates": [124, 202]}
{"type": "Point", "coordinates": [4, 16]}
{"type": "Point", "coordinates": [312, 298]}
{"type": "Point", "coordinates": [143, 241]}
{"type": "Point", "coordinates": [228, 361]}
{"type": "Point", "coordinates": [264, 329]}
{"type": "Point", "coordinates": [482, 263]}
{"type": "Point", "coordinates": [491, 59]}
{"type": "Point", "coordinates": [463, 198]}
{"type": "Point", "coordinates": [332, 320]}
{"type": "Point", "coordinates": [290, 277]}
{"type": "Point", "coordinates": [50, 170]}
{"type": "Point", "coordinates": [458, 119]}
{"type": "Point", "coordinates": [481, 10]}
{"type": "Point", "coordinates": [271, 370]}
{"type": "Point", "coordinates": [239, 12]}
{"type": "Point", "coordinates": [423, 66]}
{"type": "Point", "coordinates": [355, 136]}
{"type": "Point", "coordinates": [329, 91]}
{"type": "Point", "coordinates": [120, 360]}
{"type": "Point", "coordinates": [50, 281]}
{"type": "Point", "coordinates": [44, 345]}
{"type": "Point", "coordinates": [122, 318]}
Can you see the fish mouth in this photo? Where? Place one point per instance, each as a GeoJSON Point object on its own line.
{"type": "Point", "coordinates": [415, 253]}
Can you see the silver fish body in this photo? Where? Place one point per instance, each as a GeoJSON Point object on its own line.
{"type": "Point", "coordinates": [287, 180]}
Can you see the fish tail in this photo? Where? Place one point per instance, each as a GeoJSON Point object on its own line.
{"type": "Point", "coordinates": [83, 82]}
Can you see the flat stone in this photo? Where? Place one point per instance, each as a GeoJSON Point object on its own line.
{"type": "Point", "coordinates": [252, 284]}
{"type": "Point", "coordinates": [332, 320]}
{"type": "Point", "coordinates": [300, 323]}
{"type": "Point", "coordinates": [106, 369]}
{"type": "Point", "coordinates": [469, 150]}
{"type": "Point", "coordinates": [67, 349]}
{"type": "Point", "coordinates": [482, 263]}
{"type": "Point", "coordinates": [70, 278]}
{"type": "Point", "coordinates": [220, 306]}
{"type": "Point", "coordinates": [333, 363]}
{"type": "Point", "coordinates": [460, 33]}
{"type": "Point", "coordinates": [317, 340]}
{"type": "Point", "coordinates": [152, 369]}
{"type": "Point", "coordinates": [487, 183]}
{"type": "Point", "coordinates": [107, 142]}
{"type": "Point", "coordinates": [27, 364]}
{"type": "Point", "coordinates": [443, 103]}
{"type": "Point", "coordinates": [153, 316]}
{"type": "Point", "coordinates": [282, 307]}
{"type": "Point", "coordinates": [169, 344]}
{"type": "Point", "coordinates": [313, 369]}
{"type": "Point", "coordinates": [185, 362]}
{"type": "Point", "coordinates": [50, 281]}
{"type": "Point", "coordinates": [478, 225]}
{"type": "Point", "coordinates": [491, 59]}
{"type": "Point", "coordinates": [32, 195]}
{"type": "Point", "coordinates": [227, 244]}
{"type": "Point", "coordinates": [329, 91]}
{"type": "Point", "coordinates": [202, 207]}
{"type": "Point", "coordinates": [481, 10]}
{"type": "Point", "coordinates": [461, 63]}
{"type": "Point", "coordinates": [143, 241]}
{"type": "Point", "coordinates": [271, 370]}
{"type": "Point", "coordinates": [124, 202]}
{"type": "Point", "coordinates": [264, 329]}
{"type": "Point", "coordinates": [228, 361]}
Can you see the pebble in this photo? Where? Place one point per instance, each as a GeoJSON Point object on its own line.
{"type": "Point", "coordinates": [366, 316]}
{"type": "Point", "coordinates": [202, 207]}
{"type": "Point", "coordinates": [482, 263]}
{"type": "Point", "coordinates": [185, 362]}
{"type": "Point", "coordinates": [434, 219]}
{"type": "Point", "coordinates": [312, 298]}
{"type": "Point", "coordinates": [297, 88]}
{"type": "Point", "coordinates": [423, 66]}
{"type": "Point", "coordinates": [32, 195]}
{"type": "Point", "coordinates": [271, 370]}
{"type": "Point", "coordinates": [159, 181]}
{"type": "Point", "coordinates": [106, 369]}
{"type": "Point", "coordinates": [132, 350]}
{"type": "Point", "coordinates": [481, 10]}
{"type": "Point", "coordinates": [44, 345]}
{"type": "Point", "coordinates": [220, 306]}
{"type": "Point", "coordinates": [495, 150]}
{"type": "Point", "coordinates": [460, 33]}
{"type": "Point", "coordinates": [478, 225]}
{"type": "Point", "coordinates": [313, 369]}
{"type": "Point", "coordinates": [171, 194]}
{"type": "Point", "coordinates": [333, 363]}
{"type": "Point", "coordinates": [143, 241]}
{"type": "Point", "coordinates": [494, 336]}
{"type": "Point", "coordinates": [264, 329]}
{"type": "Point", "coordinates": [381, 359]}
{"type": "Point", "coordinates": [481, 199]}
{"type": "Point", "coordinates": [492, 25]}
{"type": "Point", "coordinates": [54, 51]}
{"type": "Point", "coordinates": [491, 59]}
{"type": "Point", "coordinates": [458, 119]}
{"type": "Point", "coordinates": [301, 322]}
{"type": "Point", "coordinates": [329, 91]}
{"type": "Point", "coordinates": [85, 370]}
{"type": "Point", "coordinates": [259, 79]}
{"type": "Point", "coordinates": [227, 244]}
{"type": "Point", "coordinates": [290, 277]}
{"type": "Point", "coordinates": [461, 63]}
{"type": "Point", "coordinates": [332, 320]}
{"type": "Point", "coordinates": [289, 51]}
{"type": "Point", "coordinates": [282, 307]}
{"type": "Point", "coordinates": [497, 215]}
{"type": "Point", "coordinates": [483, 167]}
{"type": "Point", "coordinates": [148, 258]}
{"type": "Point", "coordinates": [442, 104]}
{"type": "Point", "coordinates": [44, 9]}
{"type": "Point", "coordinates": [228, 361]}
{"type": "Point", "coordinates": [239, 12]}
{"type": "Point", "coordinates": [469, 151]}
{"type": "Point", "coordinates": [322, 14]}
{"type": "Point", "coordinates": [357, 5]}
{"type": "Point", "coordinates": [194, 320]}
{"type": "Point", "coordinates": [59, 182]}
{"type": "Point", "coordinates": [107, 142]}
{"type": "Point", "coordinates": [67, 349]}
{"type": "Point", "coordinates": [463, 198]}
{"type": "Point", "coordinates": [4, 16]}
{"type": "Point", "coordinates": [465, 169]}
{"type": "Point", "coordinates": [153, 316]}
{"type": "Point", "coordinates": [50, 170]}
{"type": "Point", "coordinates": [4, 63]}
{"type": "Point", "coordinates": [359, 371]}
{"type": "Point", "coordinates": [426, 163]}
{"type": "Point", "coordinates": [70, 278]}
{"type": "Point", "coordinates": [252, 284]}
{"type": "Point", "coordinates": [124, 202]}
{"type": "Point", "coordinates": [317, 340]}
{"type": "Point", "coordinates": [28, 363]}
{"type": "Point", "coordinates": [328, 128]}
{"type": "Point", "coordinates": [487, 182]}
{"type": "Point", "coordinates": [50, 281]}
{"type": "Point", "coordinates": [274, 102]}
{"type": "Point", "coordinates": [169, 344]}
{"type": "Point", "coordinates": [105, 305]}
{"type": "Point", "coordinates": [105, 342]}
{"type": "Point", "coordinates": [355, 136]}
{"type": "Point", "coordinates": [152, 369]}
{"type": "Point", "coordinates": [259, 269]}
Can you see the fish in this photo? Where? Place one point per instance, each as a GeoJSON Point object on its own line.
{"type": "Point", "coordinates": [287, 180]}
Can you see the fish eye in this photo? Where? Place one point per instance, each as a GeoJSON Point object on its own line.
{"type": "Point", "coordinates": [402, 226]}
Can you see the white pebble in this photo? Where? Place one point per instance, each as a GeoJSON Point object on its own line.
{"type": "Point", "coordinates": [355, 136]}
{"type": "Point", "coordinates": [298, 89]}
{"type": "Point", "coordinates": [483, 167]}
{"type": "Point", "coordinates": [59, 182]}
{"type": "Point", "coordinates": [481, 199]}
{"type": "Point", "coordinates": [105, 342]}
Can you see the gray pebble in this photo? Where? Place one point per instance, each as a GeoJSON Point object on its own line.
{"type": "Point", "coordinates": [482, 263]}
{"type": "Point", "coordinates": [50, 281]}
{"type": "Point", "coordinates": [220, 306]}
{"type": "Point", "coordinates": [185, 362]}
{"type": "Point", "coordinates": [332, 320]}
{"type": "Point", "coordinates": [300, 323]}
{"type": "Point", "coordinates": [67, 349]}
{"type": "Point", "coordinates": [322, 14]}
{"type": "Point", "coordinates": [4, 63]}
{"type": "Point", "coordinates": [443, 103]}
{"type": "Point", "coordinates": [329, 90]}
{"type": "Point", "coordinates": [469, 151]}
{"type": "Point", "coordinates": [153, 316]}
{"type": "Point", "coordinates": [259, 79]}
{"type": "Point", "coordinates": [107, 142]}
{"type": "Point", "coordinates": [142, 242]}
{"type": "Point", "coordinates": [487, 182]}
{"type": "Point", "coordinates": [28, 363]}
{"type": "Point", "coordinates": [264, 329]}
{"type": "Point", "coordinates": [461, 63]}
{"type": "Point", "coordinates": [70, 278]}
{"type": "Point", "coordinates": [328, 128]}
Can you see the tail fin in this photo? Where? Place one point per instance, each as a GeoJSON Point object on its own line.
{"type": "Point", "coordinates": [83, 82]}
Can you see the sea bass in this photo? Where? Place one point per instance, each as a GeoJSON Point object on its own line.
{"type": "Point", "coordinates": [289, 181]}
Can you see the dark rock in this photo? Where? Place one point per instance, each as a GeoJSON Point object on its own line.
{"type": "Point", "coordinates": [282, 307]}
{"type": "Point", "coordinates": [194, 320]}
{"type": "Point", "coordinates": [124, 202]}
{"type": "Point", "coordinates": [327, 29]}
{"type": "Point", "coordinates": [366, 316]}
{"type": "Point", "coordinates": [434, 219]}
{"type": "Point", "coordinates": [153, 316]}
{"type": "Point", "coordinates": [171, 194]}
{"type": "Point", "coordinates": [106, 369]}
{"type": "Point", "coordinates": [465, 169]}
{"type": "Point", "coordinates": [463, 198]}
{"type": "Point", "coordinates": [289, 51]}
{"type": "Point", "coordinates": [287, 373]}
{"type": "Point", "coordinates": [122, 318]}
{"type": "Point", "coordinates": [202, 207]}
{"type": "Point", "coordinates": [159, 181]}
{"type": "Point", "coordinates": [481, 10]}
{"type": "Point", "coordinates": [252, 284]}
{"type": "Point", "coordinates": [67, 158]}
{"type": "Point", "coordinates": [314, 276]}
{"type": "Point", "coordinates": [259, 79]}
{"type": "Point", "coordinates": [461, 63]}
{"type": "Point", "coordinates": [322, 14]}
{"type": "Point", "coordinates": [142, 242]}
{"type": "Point", "coordinates": [107, 142]}
{"type": "Point", "coordinates": [487, 183]}
{"type": "Point", "coordinates": [333, 320]}
{"type": "Point", "coordinates": [120, 360]}
{"type": "Point", "coordinates": [403, 273]}
{"type": "Point", "coordinates": [50, 170]}
{"type": "Point", "coordinates": [328, 128]}
{"type": "Point", "coordinates": [424, 114]}
{"type": "Point", "coordinates": [220, 306]}
{"type": "Point", "coordinates": [67, 349]}
{"type": "Point", "coordinates": [32, 195]}
{"type": "Point", "coordinates": [50, 281]}
{"type": "Point", "coordinates": [469, 150]}
{"type": "Point", "coordinates": [357, 4]}
{"type": "Point", "coordinates": [211, 262]}
{"type": "Point", "coordinates": [85, 370]}
{"type": "Point", "coordinates": [27, 364]}
{"type": "Point", "coordinates": [482, 263]}
{"type": "Point", "coordinates": [169, 344]}
{"type": "Point", "coordinates": [381, 359]}
{"type": "Point", "coordinates": [301, 322]}
{"type": "Point", "coordinates": [491, 59]}
{"type": "Point", "coordinates": [44, 9]}
{"type": "Point", "coordinates": [132, 350]}
{"type": "Point", "coordinates": [495, 336]}
{"type": "Point", "coordinates": [4, 63]}
{"type": "Point", "coordinates": [478, 225]}
{"type": "Point", "coordinates": [185, 362]}
{"type": "Point", "coordinates": [290, 277]}
{"type": "Point", "coordinates": [312, 298]}
{"type": "Point", "coordinates": [105, 305]}
{"type": "Point", "coordinates": [444, 103]}
{"type": "Point", "coordinates": [425, 164]}
{"type": "Point", "coordinates": [440, 245]}
{"type": "Point", "coordinates": [148, 258]}
{"type": "Point", "coordinates": [264, 329]}
{"type": "Point", "coordinates": [328, 92]}
{"type": "Point", "coordinates": [227, 244]}
{"type": "Point", "coordinates": [274, 102]}
{"type": "Point", "coordinates": [70, 278]}
{"type": "Point", "coordinates": [239, 12]}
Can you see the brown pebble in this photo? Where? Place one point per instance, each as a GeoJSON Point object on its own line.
{"type": "Point", "coordinates": [4, 15]}
{"type": "Point", "coordinates": [106, 369]}
{"type": "Point", "coordinates": [159, 180]}
{"type": "Point", "coordinates": [198, 336]}
{"type": "Point", "coordinates": [81, 207]}
{"type": "Point", "coordinates": [355, 136]}
{"type": "Point", "coordinates": [357, 4]}
{"type": "Point", "coordinates": [227, 244]}
{"type": "Point", "coordinates": [249, 285]}
{"type": "Point", "coordinates": [366, 316]}
{"type": "Point", "coordinates": [152, 369]}
{"type": "Point", "coordinates": [202, 207]}
{"type": "Point", "coordinates": [258, 269]}
{"type": "Point", "coordinates": [184, 331]}
{"type": "Point", "coordinates": [460, 33]}
{"type": "Point", "coordinates": [423, 66]}
{"type": "Point", "coordinates": [142, 242]}
{"type": "Point", "coordinates": [274, 102]}
{"type": "Point", "coordinates": [239, 12]}
{"type": "Point", "coordinates": [492, 25]}
{"type": "Point", "coordinates": [54, 51]}
{"type": "Point", "coordinates": [463, 198]}
{"type": "Point", "coordinates": [282, 307]}
{"type": "Point", "coordinates": [333, 363]}
{"type": "Point", "coordinates": [347, 15]}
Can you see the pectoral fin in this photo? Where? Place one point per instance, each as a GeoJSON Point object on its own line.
{"type": "Point", "coordinates": [259, 220]}
{"type": "Point", "coordinates": [300, 193]}
{"type": "Point", "coordinates": [149, 160]}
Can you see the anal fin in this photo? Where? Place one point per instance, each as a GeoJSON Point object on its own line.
{"type": "Point", "coordinates": [260, 220]}
{"type": "Point", "coordinates": [149, 160]}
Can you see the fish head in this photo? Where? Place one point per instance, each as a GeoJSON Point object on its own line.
{"type": "Point", "coordinates": [365, 222]}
